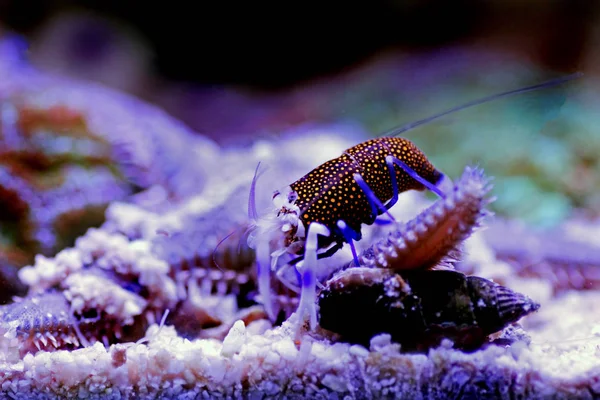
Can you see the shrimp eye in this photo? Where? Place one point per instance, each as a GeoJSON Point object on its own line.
{"type": "Point", "coordinates": [437, 177]}
{"type": "Point", "coordinates": [292, 196]}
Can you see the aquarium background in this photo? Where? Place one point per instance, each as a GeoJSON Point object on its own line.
{"type": "Point", "coordinates": [243, 73]}
{"type": "Point", "coordinates": [238, 73]}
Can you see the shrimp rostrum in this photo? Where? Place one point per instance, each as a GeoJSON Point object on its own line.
{"type": "Point", "coordinates": [325, 209]}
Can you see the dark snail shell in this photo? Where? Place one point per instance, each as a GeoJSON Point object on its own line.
{"type": "Point", "coordinates": [418, 308]}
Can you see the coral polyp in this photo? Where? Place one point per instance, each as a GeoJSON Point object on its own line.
{"type": "Point", "coordinates": [434, 237]}
{"type": "Point", "coordinates": [43, 321]}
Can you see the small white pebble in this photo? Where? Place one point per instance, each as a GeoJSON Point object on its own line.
{"type": "Point", "coordinates": [258, 327]}
{"type": "Point", "coordinates": [335, 383]}
{"type": "Point", "coordinates": [143, 246]}
{"type": "Point", "coordinates": [379, 341]}
{"type": "Point", "coordinates": [234, 340]}
{"type": "Point", "coordinates": [359, 351]}
{"type": "Point", "coordinates": [286, 349]}
{"type": "Point", "coordinates": [272, 358]}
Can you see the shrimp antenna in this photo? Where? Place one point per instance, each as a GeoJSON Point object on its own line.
{"type": "Point", "coordinates": [543, 85]}
{"type": "Point", "coordinates": [252, 213]}
{"type": "Point", "coordinates": [214, 253]}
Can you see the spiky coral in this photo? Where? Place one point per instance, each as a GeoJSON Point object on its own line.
{"type": "Point", "coordinates": [435, 235]}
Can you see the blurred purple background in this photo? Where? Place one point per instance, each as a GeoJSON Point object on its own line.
{"type": "Point", "coordinates": [234, 71]}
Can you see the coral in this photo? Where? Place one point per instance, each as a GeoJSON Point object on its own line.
{"type": "Point", "coordinates": [566, 256]}
{"type": "Point", "coordinates": [435, 235]}
{"type": "Point", "coordinates": [271, 365]}
{"type": "Point", "coordinates": [159, 302]}
{"type": "Point", "coordinates": [67, 150]}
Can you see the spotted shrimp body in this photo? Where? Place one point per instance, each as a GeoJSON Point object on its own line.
{"type": "Point", "coordinates": [327, 207]}
{"type": "Point", "coordinates": [317, 214]}
{"type": "Point", "coordinates": [334, 190]}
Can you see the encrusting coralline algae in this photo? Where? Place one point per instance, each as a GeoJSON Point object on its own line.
{"type": "Point", "coordinates": [153, 260]}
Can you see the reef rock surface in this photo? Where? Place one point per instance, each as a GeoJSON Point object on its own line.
{"type": "Point", "coordinates": [171, 196]}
